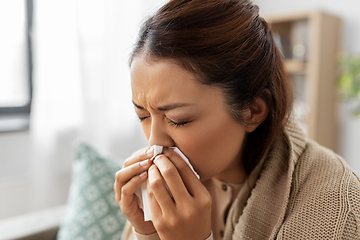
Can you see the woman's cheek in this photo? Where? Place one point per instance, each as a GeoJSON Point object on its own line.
{"type": "Point", "coordinates": [199, 156]}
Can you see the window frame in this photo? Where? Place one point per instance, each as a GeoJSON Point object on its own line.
{"type": "Point", "coordinates": [22, 112]}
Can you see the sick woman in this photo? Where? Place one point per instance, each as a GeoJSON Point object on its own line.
{"type": "Point", "coordinates": [208, 79]}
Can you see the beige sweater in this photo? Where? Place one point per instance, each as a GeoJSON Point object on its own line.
{"type": "Point", "coordinates": [299, 190]}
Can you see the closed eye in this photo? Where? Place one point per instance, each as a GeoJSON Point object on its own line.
{"type": "Point", "coordinates": [143, 118]}
{"type": "Point", "coordinates": [176, 124]}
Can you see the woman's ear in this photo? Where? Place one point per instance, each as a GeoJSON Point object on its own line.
{"type": "Point", "coordinates": [257, 113]}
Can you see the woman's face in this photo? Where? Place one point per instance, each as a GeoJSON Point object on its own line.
{"type": "Point", "coordinates": [175, 109]}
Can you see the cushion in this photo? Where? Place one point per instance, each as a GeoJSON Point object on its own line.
{"type": "Point", "coordinates": [92, 212]}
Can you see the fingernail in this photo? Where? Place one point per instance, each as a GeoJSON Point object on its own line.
{"type": "Point", "coordinates": [150, 151]}
{"type": "Point", "coordinates": [143, 175]}
{"type": "Point", "coordinates": [156, 157]}
{"type": "Point", "coordinates": [144, 163]}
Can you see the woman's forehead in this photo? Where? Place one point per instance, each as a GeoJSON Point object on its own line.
{"type": "Point", "coordinates": [164, 82]}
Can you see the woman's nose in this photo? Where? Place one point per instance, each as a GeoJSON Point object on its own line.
{"type": "Point", "coordinates": [159, 136]}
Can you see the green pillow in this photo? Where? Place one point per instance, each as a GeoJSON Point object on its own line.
{"type": "Point", "coordinates": [92, 212]}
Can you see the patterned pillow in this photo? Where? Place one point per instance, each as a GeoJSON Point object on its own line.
{"type": "Point", "coordinates": [92, 212]}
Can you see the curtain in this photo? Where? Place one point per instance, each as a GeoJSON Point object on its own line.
{"type": "Point", "coordinates": [81, 83]}
{"type": "Point", "coordinates": [81, 92]}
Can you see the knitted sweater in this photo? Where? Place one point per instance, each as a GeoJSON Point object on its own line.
{"type": "Point", "coordinates": [299, 190]}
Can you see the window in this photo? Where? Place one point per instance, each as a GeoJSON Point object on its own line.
{"type": "Point", "coordinates": [15, 64]}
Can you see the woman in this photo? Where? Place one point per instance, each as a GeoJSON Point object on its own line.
{"type": "Point", "coordinates": [208, 78]}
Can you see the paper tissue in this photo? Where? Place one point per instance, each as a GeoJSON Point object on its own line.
{"type": "Point", "coordinates": [141, 191]}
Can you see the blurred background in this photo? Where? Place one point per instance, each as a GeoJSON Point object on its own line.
{"type": "Point", "coordinates": [64, 77]}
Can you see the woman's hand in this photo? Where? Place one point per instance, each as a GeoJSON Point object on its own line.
{"type": "Point", "coordinates": [187, 213]}
{"type": "Point", "coordinates": [132, 175]}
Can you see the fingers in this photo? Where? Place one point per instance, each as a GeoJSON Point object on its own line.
{"type": "Point", "coordinates": [134, 165]}
{"type": "Point", "coordinates": [128, 190]}
{"type": "Point", "coordinates": [140, 155]}
{"type": "Point", "coordinates": [187, 175]}
{"type": "Point", "coordinates": [126, 173]}
{"type": "Point", "coordinates": [124, 196]}
{"type": "Point", "coordinates": [172, 177]}
{"type": "Point", "coordinates": [129, 178]}
{"type": "Point", "coordinates": [127, 181]}
{"type": "Point", "coordinates": [183, 210]}
{"type": "Point", "coordinates": [158, 190]}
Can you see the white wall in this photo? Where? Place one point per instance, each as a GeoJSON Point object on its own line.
{"type": "Point", "coordinates": [348, 11]}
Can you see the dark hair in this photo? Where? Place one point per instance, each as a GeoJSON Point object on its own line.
{"type": "Point", "coordinates": [226, 44]}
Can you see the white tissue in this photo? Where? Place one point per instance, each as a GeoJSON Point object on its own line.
{"type": "Point", "coordinates": [157, 150]}
{"type": "Point", "coordinates": [141, 191]}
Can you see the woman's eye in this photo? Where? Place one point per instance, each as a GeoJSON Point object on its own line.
{"type": "Point", "coordinates": [143, 118]}
{"type": "Point", "coordinates": [176, 124]}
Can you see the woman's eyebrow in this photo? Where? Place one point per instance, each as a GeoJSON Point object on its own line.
{"type": "Point", "coordinates": [165, 107]}
{"type": "Point", "coordinates": [137, 105]}
{"type": "Point", "coordinates": [172, 106]}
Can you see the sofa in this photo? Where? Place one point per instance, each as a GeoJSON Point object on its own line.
{"type": "Point", "coordinates": [90, 212]}
{"type": "Point", "coordinates": [41, 225]}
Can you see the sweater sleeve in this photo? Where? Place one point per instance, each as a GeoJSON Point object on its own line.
{"type": "Point", "coordinates": [130, 234]}
{"type": "Point", "coordinates": [351, 228]}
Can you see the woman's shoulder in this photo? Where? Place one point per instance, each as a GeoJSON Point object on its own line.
{"type": "Point", "coordinates": [325, 196]}
{"type": "Point", "coordinates": [313, 161]}
{"type": "Point", "coordinates": [319, 168]}
{"type": "Point", "coordinates": [322, 164]}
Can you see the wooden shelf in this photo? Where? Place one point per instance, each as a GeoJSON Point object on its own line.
{"type": "Point", "coordinates": [295, 66]}
{"type": "Point", "coordinates": [319, 36]}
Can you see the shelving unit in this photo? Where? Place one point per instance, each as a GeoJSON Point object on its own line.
{"type": "Point", "coordinates": [310, 44]}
